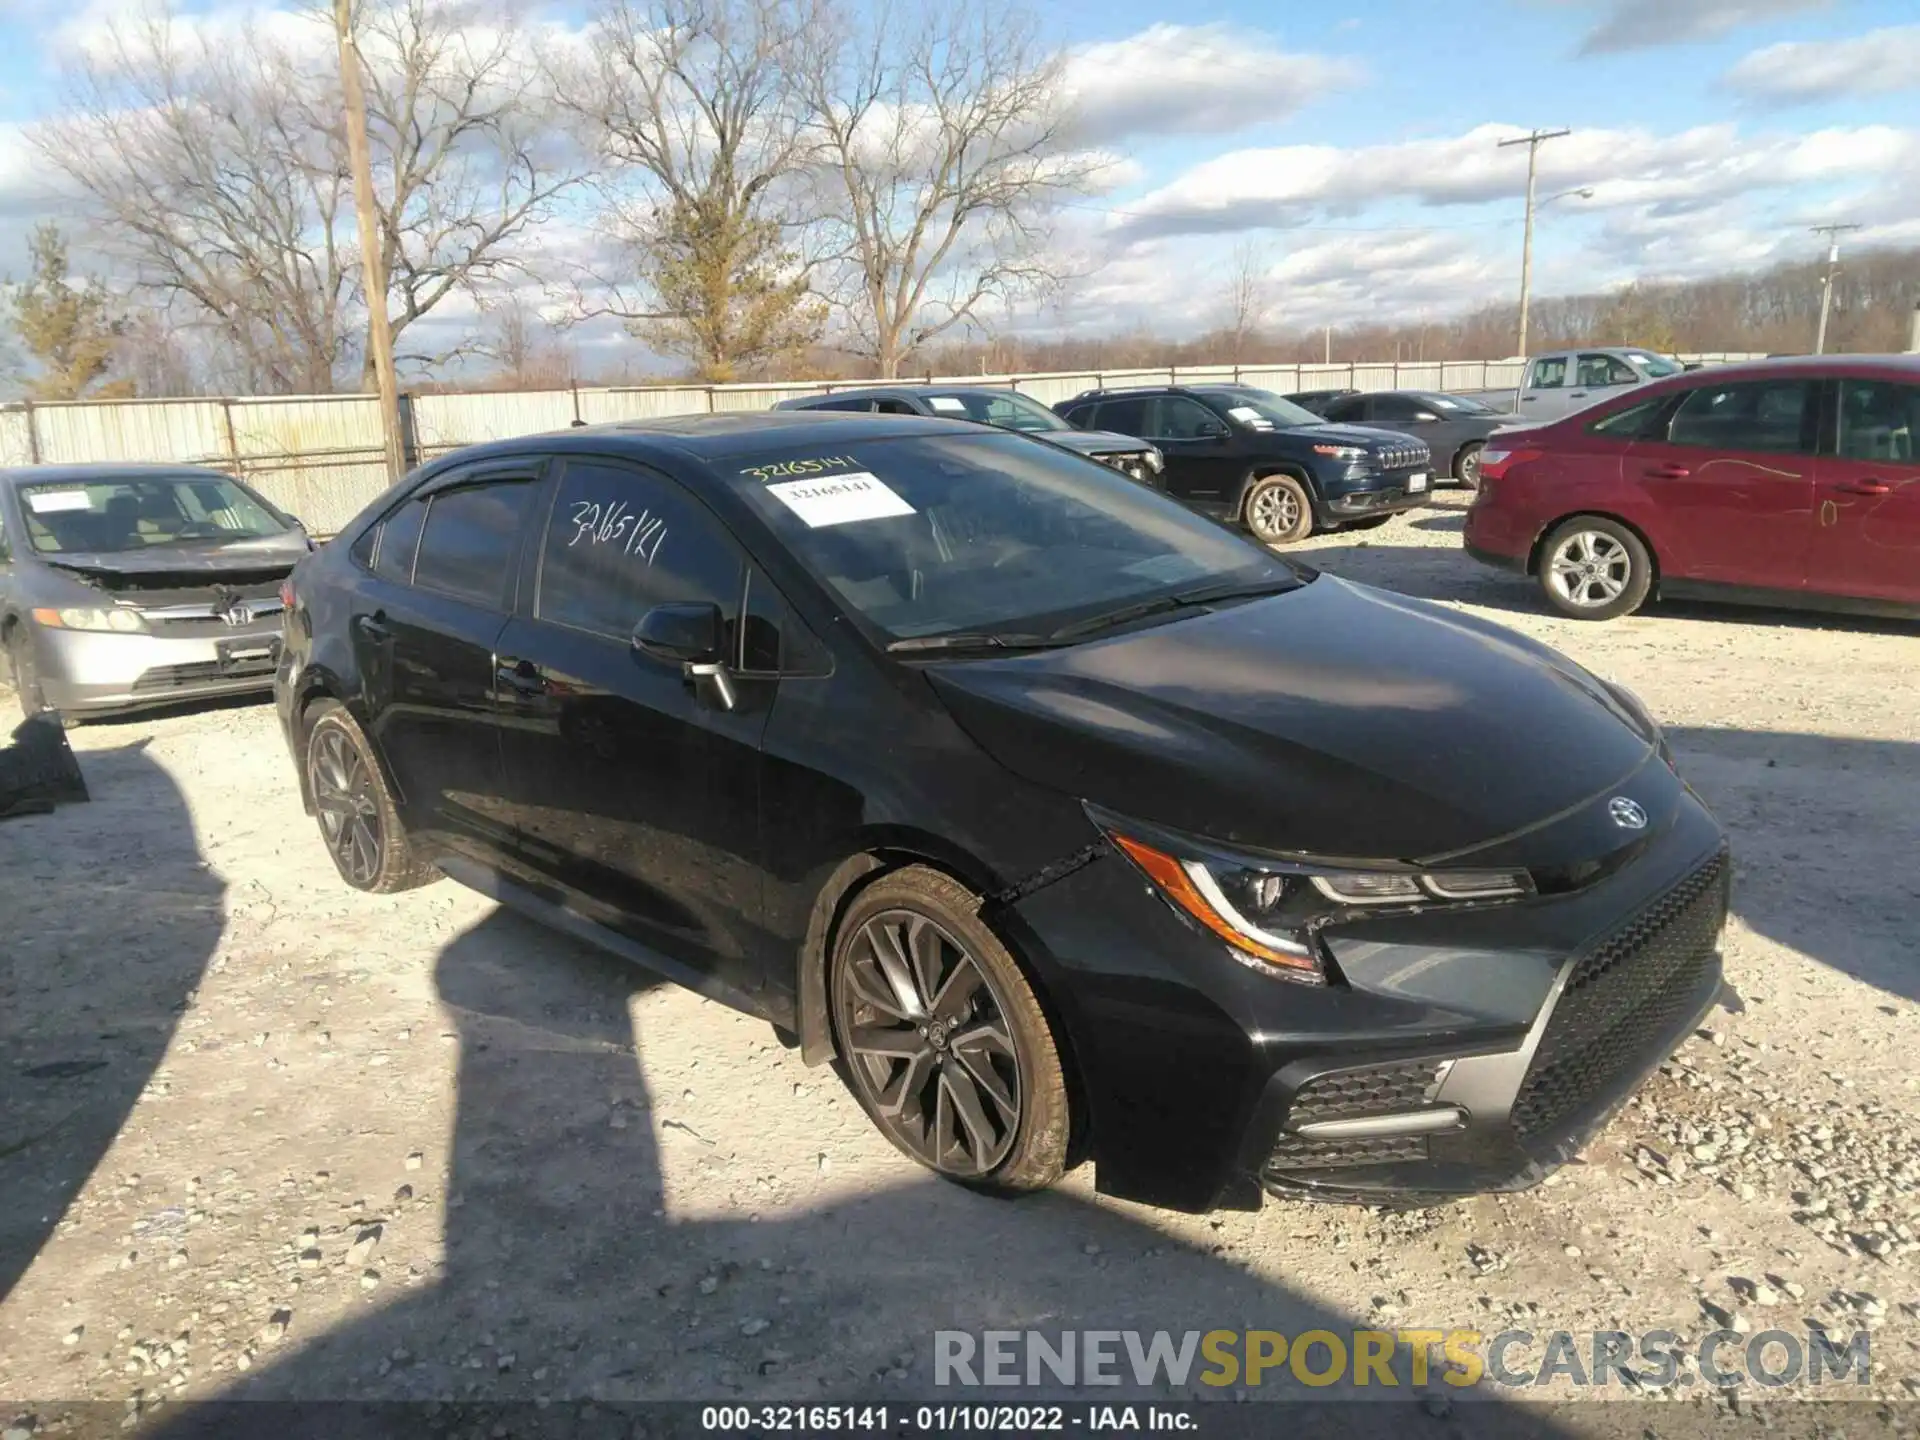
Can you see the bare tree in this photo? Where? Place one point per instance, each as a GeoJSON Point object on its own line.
{"type": "Point", "coordinates": [525, 346]}
{"type": "Point", "coordinates": [939, 139]}
{"type": "Point", "coordinates": [214, 162]}
{"type": "Point", "coordinates": [1249, 297]}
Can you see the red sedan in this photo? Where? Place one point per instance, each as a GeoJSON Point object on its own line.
{"type": "Point", "coordinates": [1782, 482]}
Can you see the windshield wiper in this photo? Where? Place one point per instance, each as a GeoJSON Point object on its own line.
{"type": "Point", "coordinates": [969, 640]}
{"type": "Point", "coordinates": [1179, 600]}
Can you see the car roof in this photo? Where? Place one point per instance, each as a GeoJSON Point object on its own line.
{"type": "Point", "coordinates": [706, 438]}
{"type": "Point", "coordinates": [861, 392]}
{"type": "Point", "coordinates": [1902, 368]}
{"type": "Point", "coordinates": [104, 472]}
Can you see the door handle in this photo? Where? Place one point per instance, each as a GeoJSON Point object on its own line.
{"type": "Point", "coordinates": [1865, 487]}
{"type": "Point", "coordinates": [373, 626]}
{"type": "Point", "coordinates": [522, 677]}
{"type": "Point", "coordinates": [1667, 472]}
{"type": "Point", "coordinates": [1576, 394]}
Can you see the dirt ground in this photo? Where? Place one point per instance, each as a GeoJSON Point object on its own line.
{"type": "Point", "coordinates": [264, 1136]}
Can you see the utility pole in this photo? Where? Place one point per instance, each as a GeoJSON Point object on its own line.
{"type": "Point", "coordinates": [1533, 143]}
{"type": "Point", "coordinates": [1328, 352]}
{"type": "Point", "coordinates": [1833, 234]}
{"type": "Point", "coordinates": [379, 328]}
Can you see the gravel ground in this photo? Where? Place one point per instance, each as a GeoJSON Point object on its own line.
{"type": "Point", "coordinates": [263, 1136]}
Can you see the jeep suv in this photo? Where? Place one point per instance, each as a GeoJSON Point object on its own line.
{"type": "Point", "coordinates": [1253, 457]}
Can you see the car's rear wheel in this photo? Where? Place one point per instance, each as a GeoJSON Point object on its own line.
{"type": "Point", "coordinates": [358, 819]}
{"type": "Point", "coordinates": [26, 679]}
{"type": "Point", "coordinates": [1595, 569]}
{"type": "Point", "coordinates": [1466, 465]}
{"type": "Point", "coordinates": [942, 1039]}
{"type": "Point", "coordinates": [1277, 510]}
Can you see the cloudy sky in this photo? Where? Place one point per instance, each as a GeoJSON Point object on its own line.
{"type": "Point", "coordinates": [1356, 144]}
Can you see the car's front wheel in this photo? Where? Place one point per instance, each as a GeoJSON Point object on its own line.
{"type": "Point", "coordinates": [26, 679]}
{"type": "Point", "coordinates": [1278, 510]}
{"type": "Point", "coordinates": [1595, 569]}
{"type": "Point", "coordinates": [351, 800]}
{"type": "Point", "coordinates": [942, 1039]}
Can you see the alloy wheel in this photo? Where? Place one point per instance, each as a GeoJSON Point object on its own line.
{"type": "Point", "coordinates": [1276, 510]}
{"type": "Point", "coordinates": [348, 809]}
{"type": "Point", "coordinates": [1590, 569]}
{"type": "Point", "coordinates": [928, 1043]}
{"type": "Point", "coordinates": [1470, 468]}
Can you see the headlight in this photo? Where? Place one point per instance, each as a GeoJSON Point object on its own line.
{"type": "Point", "coordinates": [122, 621]}
{"type": "Point", "coordinates": [1341, 452]}
{"type": "Point", "coordinates": [1269, 911]}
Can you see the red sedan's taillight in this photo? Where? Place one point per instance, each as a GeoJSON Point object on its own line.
{"type": "Point", "coordinates": [1494, 464]}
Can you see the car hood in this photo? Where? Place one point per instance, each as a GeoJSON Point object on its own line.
{"type": "Point", "coordinates": [1332, 720]}
{"type": "Point", "coordinates": [1092, 442]}
{"type": "Point", "coordinates": [173, 566]}
{"type": "Point", "coordinates": [1369, 436]}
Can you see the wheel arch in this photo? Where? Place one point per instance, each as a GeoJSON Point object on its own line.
{"type": "Point", "coordinates": [1264, 469]}
{"type": "Point", "coordinates": [884, 853]}
{"type": "Point", "coordinates": [1539, 545]}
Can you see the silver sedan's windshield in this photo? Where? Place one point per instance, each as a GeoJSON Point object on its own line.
{"type": "Point", "coordinates": [111, 516]}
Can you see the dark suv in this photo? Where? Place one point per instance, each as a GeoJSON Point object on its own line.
{"type": "Point", "coordinates": [1072, 823]}
{"type": "Point", "coordinates": [1252, 456]}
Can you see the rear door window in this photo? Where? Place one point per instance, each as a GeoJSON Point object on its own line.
{"type": "Point", "coordinates": [620, 540]}
{"type": "Point", "coordinates": [1123, 417]}
{"type": "Point", "coordinates": [468, 544]}
{"type": "Point", "coordinates": [1351, 408]}
{"type": "Point", "coordinates": [1766, 415]}
{"type": "Point", "coordinates": [1879, 421]}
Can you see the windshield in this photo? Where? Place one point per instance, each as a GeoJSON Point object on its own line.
{"type": "Point", "coordinates": [1006, 410]}
{"type": "Point", "coordinates": [941, 534]}
{"type": "Point", "coordinates": [1657, 367]}
{"type": "Point", "coordinates": [1262, 409]}
{"type": "Point", "coordinates": [114, 516]}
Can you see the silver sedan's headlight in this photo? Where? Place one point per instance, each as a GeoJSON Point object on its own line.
{"type": "Point", "coordinates": [116, 618]}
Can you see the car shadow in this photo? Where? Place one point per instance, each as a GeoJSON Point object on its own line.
{"type": "Point", "coordinates": [571, 1276]}
{"type": "Point", "coordinates": [86, 1015]}
{"type": "Point", "coordinates": [1823, 836]}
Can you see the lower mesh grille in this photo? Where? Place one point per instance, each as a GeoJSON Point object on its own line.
{"type": "Point", "coordinates": [163, 678]}
{"type": "Point", "coordinates": [1295, 1152]}
{"type": "Point", "coordinates": [1629, 989]}
{"type": "Point", "coordinates": [1375, 1090]}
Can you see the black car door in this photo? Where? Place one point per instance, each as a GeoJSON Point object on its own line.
{"type": "Point", "coordinates": [632, 786]}
{"type": "Point", "coordinates": [424, 624]}
{"type": "Point", "coordinates": [1201, 446]}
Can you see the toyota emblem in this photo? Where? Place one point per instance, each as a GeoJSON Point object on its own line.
{"type": "Point", "coordinates": [1627, 814]}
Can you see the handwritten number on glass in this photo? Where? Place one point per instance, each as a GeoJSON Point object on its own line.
{"type": "Point", "coordinates": [612, 523]}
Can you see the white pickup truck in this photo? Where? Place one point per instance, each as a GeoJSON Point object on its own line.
{"type": "Point", "coordinates": [1562, 381]}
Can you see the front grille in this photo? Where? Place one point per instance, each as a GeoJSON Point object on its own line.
{"type": "Point", "coordinates": [1375, 1090]}
{"type": "Point", "coordinates": [1295, 1152]}
{"type": "Point", "coordinates": [1404, 457]}
{"type": "Point", "coordinates": [164, 678]}
{"type": "Point", "coordinates": [1632, 986]}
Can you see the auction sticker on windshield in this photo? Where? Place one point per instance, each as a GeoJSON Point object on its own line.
{"type": "Point", "coordinates": [840, 499]}
{"type": "Point", "coordinates": [46, 502]}
{"type": "Point", "coordinates": [947, 403]}
{"type": "Point", "coordinates": [1247, 415]}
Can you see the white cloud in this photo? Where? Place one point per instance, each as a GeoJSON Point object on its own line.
{"type": "Point", "coordinates": [1646, 24]}
{"type": "Point", "coordinates": [1195, 79]}
{"type": "Point", "coordinates": [1291, 185]}
{"type": "Point", "coordinates": [1799, 72]}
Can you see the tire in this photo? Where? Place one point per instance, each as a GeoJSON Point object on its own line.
{"type": "Point", "coordinates": [358, 820]}
{"type": "Point", "coordinates": [1592, 568]}
{"type": "Point", "coordinates": [1466, 465]}
{"type": "Point", "coordinates": [1277, 510]}
{"type": "Point", "coordinates": [26, 679]}
{"type": "Point", "coordinates": [987, 1108]}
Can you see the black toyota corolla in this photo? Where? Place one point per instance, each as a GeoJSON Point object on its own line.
{"type": "Point", "coordinates": [1069, 825]}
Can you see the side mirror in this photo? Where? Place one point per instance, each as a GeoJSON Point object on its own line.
{"type": "Point", "coordinates": [1214, 430]}
{"type": "Point", "coordinates": [691, 636]}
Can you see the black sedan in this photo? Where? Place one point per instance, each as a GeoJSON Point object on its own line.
{"type": "Point", "coordinates": [1072, 825]}
{"type": "Point", "coordinates": [1455, 427]}
{"type": "Point", "coordinates": [1004, 410]}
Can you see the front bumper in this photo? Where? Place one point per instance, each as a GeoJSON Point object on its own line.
{"type": "Point", "coordinates": [1358, 496]}
{"type": "Point", "coordinates": [1486, 1045]}
{"type": "Point", "coordinates": [94, 672]}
